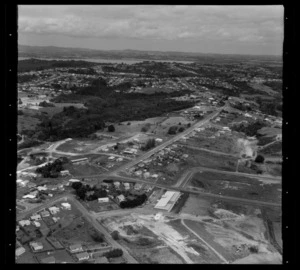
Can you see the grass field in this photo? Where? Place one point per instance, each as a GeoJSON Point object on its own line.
{"type": "Point", "coordinates": [210, 160]}
{"type": "Point", "coordinates": [95, 206]}
{"type": "Point", "coordinates": [236, 186]}
{"type": "Point", "coordinates": [26, 122]}
{"type": "Point", "coordinates": [79, 231]}
{"type": "Point", "coordinates": [223, 143]}
{"type": "Point", "coordinates": [274, 149]}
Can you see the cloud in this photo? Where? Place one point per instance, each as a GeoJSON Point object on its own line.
{"type": "Point", "coordinates": [217, 23]}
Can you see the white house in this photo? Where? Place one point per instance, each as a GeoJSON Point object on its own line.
{"type": "Point", "coordinates": [74, 180]}
{"type": "Point", "coordinates": [67, 206]}
{"type": "Point", "coordinates": [126, 186]}
{"type": "Point", "coordinates": [65, 173]}
{"type": "Point", "coordinates": [36, 246]}
{"type": "Point", "coordinates": [102, 200]}
{"type": "Point", "coordinates": [75, 248]}
{"type": "Point", "coordinates": [36, 224]}
{"type": "Point", "coordinates": [82, 256]}
{"type": "Point", "coordinates": [117, 184]}
{"type": "Point", "coordinates": [29, 196]}
{"type": "Point", "coordinates": [53, 210]}
{"type": "Point", "coordinates": [36, 217]}
{"type": "Point", "coordinates": [20, 251]}
{"type": "Point", "coordinates": [42, 188]}
{"type": "Point", "coordinates": [121, 198]}
{"type": "Point", "coordinates": [24, 223]}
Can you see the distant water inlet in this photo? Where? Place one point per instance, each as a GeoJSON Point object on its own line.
{"type": "Point", "coordinates": [107, 61]}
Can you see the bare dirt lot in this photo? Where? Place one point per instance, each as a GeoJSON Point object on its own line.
{"type": "Point", "coordinates": [150, 241]}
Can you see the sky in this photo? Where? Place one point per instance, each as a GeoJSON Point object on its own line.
{"type": "Point", "coordinates": [254, 30]}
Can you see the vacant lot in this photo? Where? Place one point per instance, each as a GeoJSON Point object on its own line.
{"type": "Point", "coordinates": [202, 158]}
{"type": "Point", "coordinates": [223, 143]}
{"type": "Point", "coordinates": [236, 186]}
{"type": "Point", "coordinates": [83, 169]}
{"type": "Point", "coordinates": [95, 206]}
{"type": "Point", "coordinates": [197, 206]}
{"type": "Point", "coordinates": [79, 231]}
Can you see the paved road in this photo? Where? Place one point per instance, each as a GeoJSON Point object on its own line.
{"type": "Point", "coordinates": [202, 240]}
{"type": "Point", "coordinates": [90, 217]}
{"type": "Point", "coordinates": [102, 230]}
{"type": "Point", "coordinates": [101, 177]}
{"type": "Point", "coordinates": [49, 80]}
{"type": "Point", "coordinates": [167, 143]}
{"type": "Point", "coordinates": [45, 205]}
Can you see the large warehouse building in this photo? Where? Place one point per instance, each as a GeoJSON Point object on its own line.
{"type": "Point", "coordinates": [168, 200]}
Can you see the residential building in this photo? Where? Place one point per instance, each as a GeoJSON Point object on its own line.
{"type": "Point", "coordinates": [24, 223]}
{"type": "Point", "coordinates": [82, 256]}
{"type": "Point", "coordinates": [75, 248]}
{"type": "Point", "coordinates": [20, 251]}
{"type": "Point", "coordinates": [36, 246]}
{"type": "Point", "coordinates": [65, 173]}
{"type": "Point", "coordinates": [121, 198]}
{"type": "Point", "coordinates": [45, 213]}
{"type": "Point", "coordinates": [54, 210]}
{"type": "Point", "coordinates": [67, 206]}
{"type": "Point", "coordinates": [102, 200]}
{"type": "Point", "coordinates": [126, 186]}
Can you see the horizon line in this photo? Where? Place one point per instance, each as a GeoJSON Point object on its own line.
{"type": "Point", "coordinates": [82, 48]}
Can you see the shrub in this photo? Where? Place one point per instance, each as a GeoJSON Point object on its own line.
{"type": "Point", "coordinates": [253, 249]}
{"type": "Point", "coordinates": [172, 130]}
{"type": "Point", "coordinates": [259, 159]}
{"type": "Point", "coordinates": [115, 235]}
{"type": "Point", "coordinates": [113, 253]}
{"type": "Point", "coordinates": [181, 129]}
{"type": "Point", "coordinates": [111, 128]}
{"type": "Point", "coordinates": [149, 144]}
{"type": "Point", "coordinates": [76, 185]}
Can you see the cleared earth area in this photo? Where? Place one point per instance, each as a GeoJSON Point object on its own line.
{"type": "Point", "coordinates": [159, 241]}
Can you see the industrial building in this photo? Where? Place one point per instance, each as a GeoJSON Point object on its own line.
{"type": "Point", "coordinates": [168, 200]}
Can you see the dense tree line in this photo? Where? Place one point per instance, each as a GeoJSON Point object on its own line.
{"type": "Point", "coordinates": [28, 143]}
{"type": "Point", "coordinates": [250, 129]}
{"type": "Point", "coordinates": [139, 200]}
{"type": "Point", "coordinates": [37, 64]}
{"type": "Point", "coordinates": [52, 169]}
{"type": "Point", "coordinates": [269, 107]}
{"type": "Point", "coordinates": [113, 253]}
{"type": "Point", "coordinates": [82, 191]}
{"type": "Point", "coordinates": [104, 106]}
{"type": "Point", "coordinates": [149, 144]}
{"type": "Point", "coordinates": [46, 104]}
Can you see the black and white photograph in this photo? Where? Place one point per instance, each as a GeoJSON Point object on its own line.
{"type": "Point", "coordinates": [149, 134]}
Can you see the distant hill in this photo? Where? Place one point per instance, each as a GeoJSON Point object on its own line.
{"type": "Point", "coordinates": [60, 52]}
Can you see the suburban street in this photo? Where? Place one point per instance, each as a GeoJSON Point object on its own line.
{"type": "Point", "coordinates": [167, 143]}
